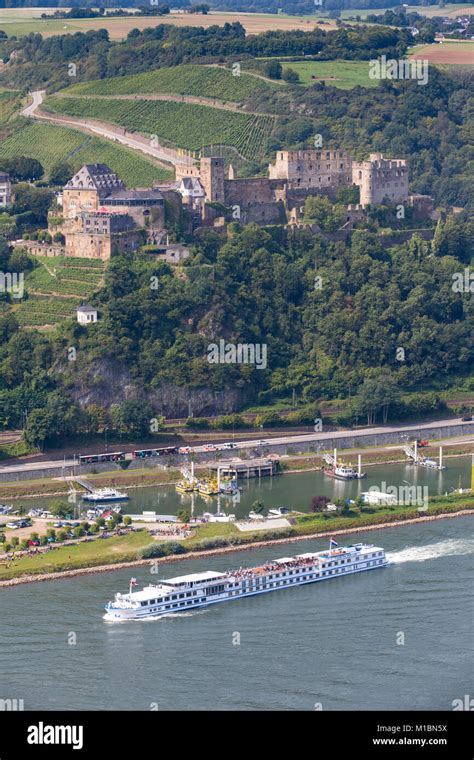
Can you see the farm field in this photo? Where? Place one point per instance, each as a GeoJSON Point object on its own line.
{"type": "Point", "coordinates": [448, 53]}
{"type": "Point", "coordinates": [13, 22]}
{"type": "Point", "coordinates": [201, 81]}
{"type": "Point", "coordinates": [450, 9]}
{"type": "Point", "coordinates": [50, 144]}
{"type": "Point", "coordinates": [342, 74]}
{"type": "Point", "coordinates": [184, 125]}
{"type": "Point", "coordinates": [56, 287]}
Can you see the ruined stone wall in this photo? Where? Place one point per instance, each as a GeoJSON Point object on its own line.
{"type": "Point", "coordinates": [264, 213]}
{"type": "Point", "coordinates": [88, 246]}
{"type": "Point", "coordinates": [312, 169]}
{"type": "Point", "coordinates": [245, 192]}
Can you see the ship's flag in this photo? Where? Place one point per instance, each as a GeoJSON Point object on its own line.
{"type": "Point", "coordinates": [332, 542]}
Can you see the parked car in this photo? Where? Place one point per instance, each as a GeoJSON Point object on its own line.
{"type": "Point", "coordinates": [467, 418]}
{"type": "Point", "coordinates": [12, 525]}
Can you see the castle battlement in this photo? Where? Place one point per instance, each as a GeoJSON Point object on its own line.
{"type": "Point", "coordinates": [312, 169]}
{"type": "Point", "coordinates": [381, 179]}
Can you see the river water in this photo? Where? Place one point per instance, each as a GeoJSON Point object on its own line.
{"type": "Point", "coordinates": [396, 638]}
{"type": "Point", "coordinates": [296, 490]}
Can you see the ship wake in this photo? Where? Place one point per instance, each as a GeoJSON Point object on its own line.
{"type": "Point", "coordinates": [432, 551]}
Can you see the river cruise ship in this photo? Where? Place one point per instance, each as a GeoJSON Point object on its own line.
{"type": "Point", "coordinates": [188, 592]}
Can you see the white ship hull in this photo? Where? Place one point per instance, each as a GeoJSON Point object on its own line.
{"type": "Point", "coordinates": [182, 595]}
{"type": "Point", "coordinates": [97, 498]}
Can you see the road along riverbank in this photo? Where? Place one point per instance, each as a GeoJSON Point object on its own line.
{"type": "Point", "coordinates": [150, 473]}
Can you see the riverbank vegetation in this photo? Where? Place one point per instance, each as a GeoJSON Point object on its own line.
{"type": "Point", "coordinates": [138, 546]}
{"type": "Point", "coordinates": [340, 341]}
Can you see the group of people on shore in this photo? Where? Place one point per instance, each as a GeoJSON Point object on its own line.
{"type": "Point", "coordinates": [178, 531]}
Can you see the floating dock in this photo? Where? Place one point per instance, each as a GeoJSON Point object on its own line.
{"type": "Point", "coordinates": [245, 468]}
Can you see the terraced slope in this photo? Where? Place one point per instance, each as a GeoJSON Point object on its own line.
{"type": "Point", "coordinates": [184, 125]}
{"type": "Point", "coordinates": [55, 288]}
{"type": "Point", "coordinates": [200, 81]}
{"type": "Point", "coordinates": [50, 144]}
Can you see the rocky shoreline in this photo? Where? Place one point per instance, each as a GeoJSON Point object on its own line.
{"type": "Point", "coordinates": [226, 550]}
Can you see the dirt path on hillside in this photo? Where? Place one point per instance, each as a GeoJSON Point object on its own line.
{"type": "Point", "coordinates": [162, 156]}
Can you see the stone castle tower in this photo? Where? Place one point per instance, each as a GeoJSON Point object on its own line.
{"type": "Point", "coordinates": [212, 178]}
{"type": "Point", "coordinates": [381, 179]}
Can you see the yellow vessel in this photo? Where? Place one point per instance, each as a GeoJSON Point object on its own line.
{"type": "Point", "coordinates": [185, 486]}
{"type": "Point", "coordinates": [208, 488]}
{"type": "Point", "coordinates": [189, 482]}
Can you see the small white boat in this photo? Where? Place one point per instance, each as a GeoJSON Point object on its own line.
{"type": "Point", "coordinates": [274, 514]}
{"type": "Point", "coordinates": [432, 464]}
{"type": "Point", "coordinates": [256, 516]}
{"type": "Point", "coordinates": [104, 495]}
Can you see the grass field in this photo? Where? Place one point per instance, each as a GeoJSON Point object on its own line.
{"type": "Point", "coordinates": [184, 125]}
{"type": "Point", "coordinates": [50, 144]}
{"type": "Point", "coordinates": [100, 551]}
{"type": "Point", "coordinates": [200, 81]}
{"type": "Point", "coordinates": [23, 21]}
{"type": "Point", "coordinates": [127, 548]}
{"type": "Point", "coordinates": [343, 74]}
{"type": "Point", "coordinates": [55, 288]}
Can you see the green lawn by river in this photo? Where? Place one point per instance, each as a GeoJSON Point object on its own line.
{"type": "Point", "coordinates": [128, 548]}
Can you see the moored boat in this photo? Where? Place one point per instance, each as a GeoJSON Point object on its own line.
{"type": "Point", "coordinates": [335, 468]}
{"type": "Point", "coordinates": [105, 494]}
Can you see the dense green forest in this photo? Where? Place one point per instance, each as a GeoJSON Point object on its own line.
{"type": "Point", "coordinates": [333, 316]}
{"type": "Point", "coordinates": [42, 62]}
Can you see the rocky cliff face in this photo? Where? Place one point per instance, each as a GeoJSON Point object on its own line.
{"type": "Point", "coordinates": [105, 382]}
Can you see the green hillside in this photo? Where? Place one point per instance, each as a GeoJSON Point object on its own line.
{"type": "Point", "coordinates": [9, 103]}
{"type": "Point", "coordinates": [194, 80]}
{"type": "Point", "coordinates": [342, 74]}
{"type": "Point", "coordinates": [182, 124]}
{"type": "Point", "coordinates": [50, 144]}
{"type": "Point", "coordinates": [56, 287]}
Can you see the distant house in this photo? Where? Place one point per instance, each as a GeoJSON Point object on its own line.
{"type": "Point", "coordinates": [5, 190]}
{"type": "Point", "coordinates": [86, 315]}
